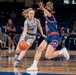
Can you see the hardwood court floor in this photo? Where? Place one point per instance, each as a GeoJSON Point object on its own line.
{"type": "Point", "coordinates": [45, 66]}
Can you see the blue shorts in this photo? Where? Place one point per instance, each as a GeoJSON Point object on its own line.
{"type": "Point", "coordinates": [53, 40]}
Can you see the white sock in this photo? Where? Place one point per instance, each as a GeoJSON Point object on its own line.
{"type": "Point", "coordinates": [60, 52]}
{"type": "Point", "coordinates": [35, 62]}
{"type": "Point", "coordinates": [9, 48]}
{"type": "Point", "coordinates": [16, 55]}
{"type": "Point", "coordinates": [13, 48]}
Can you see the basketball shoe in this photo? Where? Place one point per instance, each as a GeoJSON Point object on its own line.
{"type": "Point", "coordinates": [31, 68]}
{"type": "Point", "coordinates": [16, 64]}
{"type": "Point", "coordinates": [9, 50]}
{"type": "Point", "coordinates": [65, 53]}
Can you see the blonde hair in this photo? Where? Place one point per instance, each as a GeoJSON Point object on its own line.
{"type": "Point", "coordinates": [49, 7]}
{"type": "Point", "coordinates": [26, 11]}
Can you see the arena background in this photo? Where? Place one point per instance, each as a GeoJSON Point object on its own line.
{"type": "Point", "coordinates": [65, 13]}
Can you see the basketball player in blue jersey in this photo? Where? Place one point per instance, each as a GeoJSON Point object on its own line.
{"type": "Point", "coordinates": [51, 42]}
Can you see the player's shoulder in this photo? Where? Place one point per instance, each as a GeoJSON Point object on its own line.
{"type": "Point", "coordinates": [37, 20]}
{"type": "Point", "coordinates": [26, 20]}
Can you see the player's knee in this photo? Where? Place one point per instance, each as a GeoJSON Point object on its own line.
{"type": "Point", "coordinates": [47, 56]}
{"type": "Point", "coordinates": [40, 49]}
{"type": "Point", "coordinates": [9, 40]}
{"type": "Point", "coordinates": [18, 51]}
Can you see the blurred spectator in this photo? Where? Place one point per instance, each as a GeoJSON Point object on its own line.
{"type": "Point", "coordinates": [68, 30]}
{"type": "Point", "coordinates": [7, 14]}
{"type": "Point", "coordinates": [2, 14]}
{"type": "Point", "coordinates": [10, 29]}
{"type": "Point", "coordinates": [13, 15]}
{"type": "Point", "coordinates": [2, 18]}
{"type": "Point", "coordinates": [74, 27]}
{"type": "Point", "coordinates": [73, 31]}
{"type": "Point", "coordinates": [63, 37]}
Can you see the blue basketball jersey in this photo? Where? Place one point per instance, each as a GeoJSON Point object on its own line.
{"type": "Point", "coordinates": [51, 25]}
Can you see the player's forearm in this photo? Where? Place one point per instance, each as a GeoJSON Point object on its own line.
{"type": "Point", "coordinates": [47, 12]}
{"type": "Point", "coordinates": [24, 33]}
{"type": "Point", "coordinates": [41, 31]}
{"type": "Point", "coordinates": [23, 36]}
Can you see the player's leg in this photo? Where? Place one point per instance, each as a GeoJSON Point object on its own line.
{"type": "Point", "coordinates": [63, 43]}
{"type": "Point", "coordinates": [64, 51]}
{"type": "Point", "coordinates": [29, 42]}
{"type": "Point", "coordinates": [51, 53]}
{"type": "Point", "coordinates": [9, 43]}
{"type": "Point", "coordinates": [50, 50]}
{"type": "Point", "coordinates": [23, 52]}
{"type": "Point", "coordinates": [21, 55]}
{"type": "Point", "coordinates": [17, 51]}
{"type": "Point", "coordinates": [41, 48]}
{"type": "Point", "coordinates": [12, 41]}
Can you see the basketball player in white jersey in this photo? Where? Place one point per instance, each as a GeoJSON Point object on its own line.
{"type": "Point", "coordinates": [29, 33]}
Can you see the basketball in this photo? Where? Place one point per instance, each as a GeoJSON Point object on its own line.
{"type": "Point", "coordinates": [23, 45]}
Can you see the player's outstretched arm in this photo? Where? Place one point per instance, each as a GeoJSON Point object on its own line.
{"type": "Point", "coordinates": [41, 7]}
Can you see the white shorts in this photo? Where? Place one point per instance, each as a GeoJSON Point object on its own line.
{"type": "Point", "coordinates": [30, 38]}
